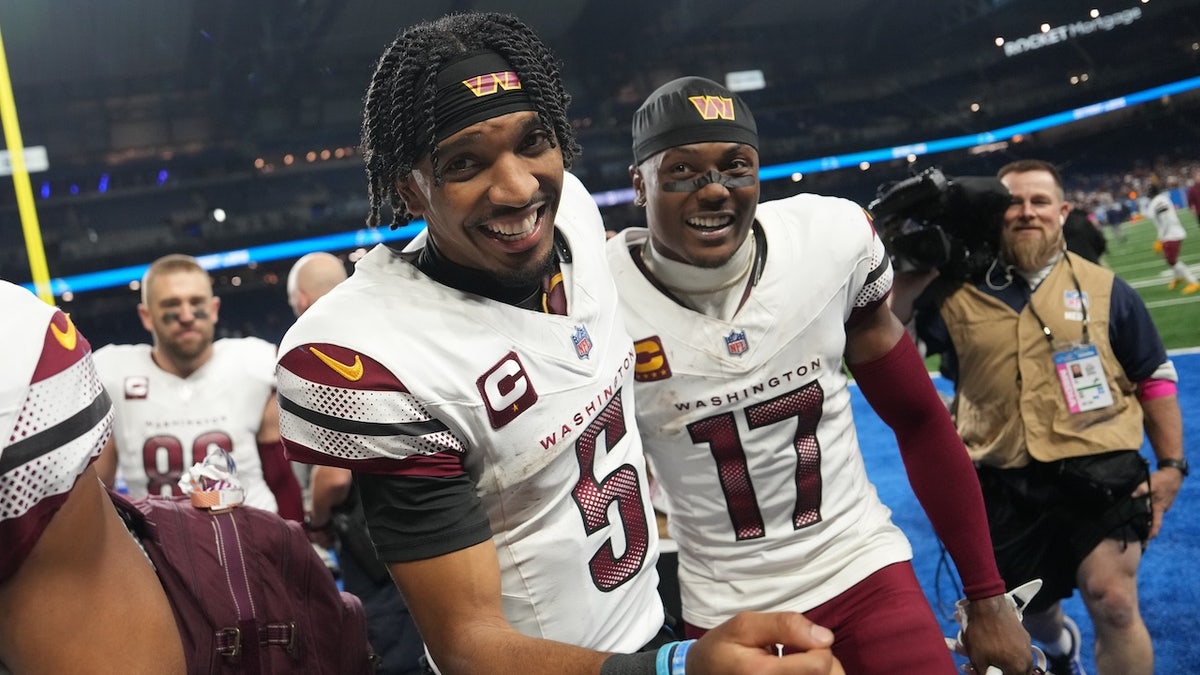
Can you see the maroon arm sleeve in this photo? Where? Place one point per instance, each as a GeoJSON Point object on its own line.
{"type": "Point", "coordinates": [277, 472]}
{"type": "Point", "coordinates": [939, 469]}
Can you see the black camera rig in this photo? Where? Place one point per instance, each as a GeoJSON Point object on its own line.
{"type": "Point", "coordinates": [931, 220]}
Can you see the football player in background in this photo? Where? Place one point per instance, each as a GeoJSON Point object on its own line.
{"type": "Point", "coordinates": [186, 393]}
{"type": "Point", "coordinates": [312, 276]}
{"type": "Point", "coordinates": [742, 314]}
{"type": "Point", "coordinates": [476, 382]}
{"type": "Point", "coordinates": [71, 576]}
{"type": "Point", "coordinates": [1161, 211]}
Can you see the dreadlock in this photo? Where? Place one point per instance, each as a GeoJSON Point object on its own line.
{"type": "Point", "coordinates": [398, 111]}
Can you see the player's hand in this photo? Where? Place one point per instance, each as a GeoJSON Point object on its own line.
{"type": "Point", "coordinates": [906, 288]}
{"type": "Point", "coordinates": [1166, 484]}
{"type": "Point", "coordinates": [1158, 246]}
{"type": "Point", "coordinates": [747, 645]}
{"type": "Point", "coordinates": [994, 636]}
{"type": "Point", "coordinates": [321, 535]}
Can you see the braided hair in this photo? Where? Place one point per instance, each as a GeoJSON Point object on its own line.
{"type": "Point", "coordinates": [399, 107]}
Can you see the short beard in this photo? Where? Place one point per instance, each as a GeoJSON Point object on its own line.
{"type": "Point", "coordinates": [185, 355]}
{"type": "Point", "coordinates": [527, 275]}
{"type": "Point", "coordinates": [1032, 255]}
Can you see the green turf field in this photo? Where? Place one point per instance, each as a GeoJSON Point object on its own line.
{"type": "Point", "coordinates": [1134, 260]}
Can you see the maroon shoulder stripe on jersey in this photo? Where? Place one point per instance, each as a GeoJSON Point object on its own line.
{"type": "Point", "coordinates": [335, 366]}
{"type": "Point", "coordinates": [62, 347]}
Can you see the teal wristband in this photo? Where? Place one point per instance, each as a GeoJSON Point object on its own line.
{"type": "Point", "coordinates": [672, 658]}
{"type": "Point", "coordinates": [662, 665]}
{"type": "Point", "coordinates": [679, 659]}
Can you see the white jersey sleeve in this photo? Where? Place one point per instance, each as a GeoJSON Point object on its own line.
{"type": "Point", "coordinates": [165, 423]}
{"type": "Point", "coordinates": [1166, 219]}
{"type": "Point", "coordinates": [54, 418]}
{"type": "Point", "coordinates": [747, 422]}
{"type": "Point", "coordinates": [873, 269]}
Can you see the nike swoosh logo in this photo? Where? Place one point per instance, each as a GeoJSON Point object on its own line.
{"type": "Point", "coordinates": [67, 339]}
{"type": "Point", "coordinates": [353, 372]}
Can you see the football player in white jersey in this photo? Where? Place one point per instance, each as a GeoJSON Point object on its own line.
{"type": "Point", "coordinates": [1161, 210]}
{"type": "Point", "coordinates": [477, 382]}
{"type": "Point", "coordinates": [741, 315]}
{"type": "Point", "coordinates": [187, 394]}
{"type": "Point", "coordinates": [76, 592]}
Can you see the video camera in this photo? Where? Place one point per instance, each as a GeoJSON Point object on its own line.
{"type": "Point", "coordinates": [931, 220]}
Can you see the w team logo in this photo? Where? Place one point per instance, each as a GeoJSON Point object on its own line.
{"type": "Point", "coordinates": [713, 107]}
{"type": "Point", "coordinates": [736, 343]}
{"type": "Point", "coordinates": [486, 85]}
{"type": "Point", "coordinates": [583, 342]}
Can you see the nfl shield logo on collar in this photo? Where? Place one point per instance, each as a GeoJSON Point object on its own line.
{"type": "Point", "coordinates": [583, 342]}
{"type": "Point", "coordinates": [736, 342]}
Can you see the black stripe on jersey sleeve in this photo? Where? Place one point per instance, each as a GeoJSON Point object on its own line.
{"type": "Point", "coordinates": [345, 426]}
{"type": "Point", "coordinates": [879, 270]}
{"type": "Point", "coordinates": [29, 449]}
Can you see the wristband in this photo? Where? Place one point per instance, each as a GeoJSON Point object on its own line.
{"type": "Point", "coordinates": [679, 660]}
{"type": "Point", "coordinates": [672, 658]}
{"type": "Point", "coordinates": [1180, 465]}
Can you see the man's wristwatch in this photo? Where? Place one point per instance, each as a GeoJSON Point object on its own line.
{"type": "Point", "coordinates": [1180, 464]}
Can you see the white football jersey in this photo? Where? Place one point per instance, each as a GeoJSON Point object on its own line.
{"type": "Point", "coordinates": [164, 423]}
{"type": "Point", "coordinates": [747, 422]}
{"type": "Point", "coordinates": [54, 419]}
{"type": "Point", "coordinates": [391, 370]}
{"type": "Point", "coordinates": [1166, 220]}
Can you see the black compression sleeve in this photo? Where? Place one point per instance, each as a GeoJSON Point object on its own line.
{"type": "Point", "coordinates": [641, 663]}
{"type": "Point", "coordinates": [412, 518]}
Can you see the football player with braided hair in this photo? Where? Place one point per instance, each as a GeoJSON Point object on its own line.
{"type": "Point", "coordinates": [477, 383]}
{"type": "Point", "coordinates": [399, 117]}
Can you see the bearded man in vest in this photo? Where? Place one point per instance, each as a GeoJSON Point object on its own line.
{"type": "Point", "coordinates": [1058, 372]}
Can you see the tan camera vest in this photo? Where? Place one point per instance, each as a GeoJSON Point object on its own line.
{"type": "Point", "coordinates": [1009, 406]}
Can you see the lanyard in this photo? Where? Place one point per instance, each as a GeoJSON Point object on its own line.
{"type": "Point", "coordinates": [1082, 307]}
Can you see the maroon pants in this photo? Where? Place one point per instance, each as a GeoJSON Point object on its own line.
{"type": "Point", "coordinates": [1171, 251]}
{"type": "Point", "coordinates": [882, 625]}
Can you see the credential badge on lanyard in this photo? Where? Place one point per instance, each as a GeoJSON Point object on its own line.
{"type": "Point", "coordinates": [1081, 376]}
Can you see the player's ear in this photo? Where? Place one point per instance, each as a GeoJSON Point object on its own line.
{"type": "Point", "coordinates": [639, 185]}
{"type": "Point", "coordinates": [414, 200]}
{"type": "Point", "coordinates": [216, 308]}
{"type": "Point", "coordinates": [144, 315]}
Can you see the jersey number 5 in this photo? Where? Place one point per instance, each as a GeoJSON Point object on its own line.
{"type": "Point", "coordinates": [594, 497]}
{"type": "Point", "coordinates": [165, 460]}
{"type": "Point", "coordinates": [720, 433]}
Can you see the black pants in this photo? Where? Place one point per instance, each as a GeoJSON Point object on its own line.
{"type": "Point", "coordinates": [1045, 518]}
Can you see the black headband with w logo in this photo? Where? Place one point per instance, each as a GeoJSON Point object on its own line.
{"type": "Point", "coordinates": [473, 88]}
{"type": "Point", "coordinates": [691, 110]}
